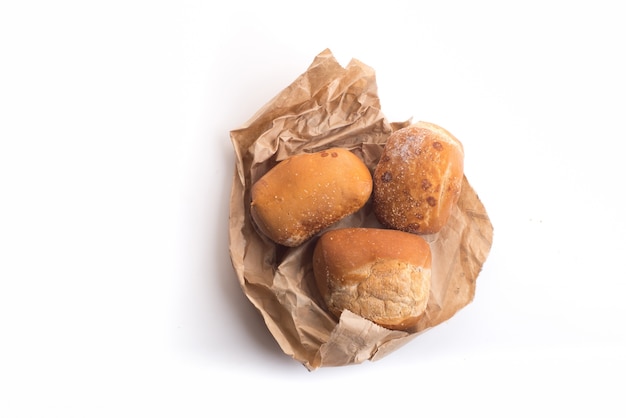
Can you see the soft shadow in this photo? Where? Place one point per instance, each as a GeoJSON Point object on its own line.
{"type": "Point", "coordinates": [246, 315]}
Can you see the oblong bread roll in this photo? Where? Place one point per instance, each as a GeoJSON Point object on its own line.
{"type": "Point", "coordinates": [306, 193]}
{"type": "Point", "coordinates": [418, 179]}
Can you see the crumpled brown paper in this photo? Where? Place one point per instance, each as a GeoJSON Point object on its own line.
{"type": "Point", "coordinates": [329, 105]}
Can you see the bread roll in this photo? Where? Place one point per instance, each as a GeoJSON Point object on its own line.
{"type": "Point", "coordinates": [418, 179]}
{"type": "Point", "coordinates": [380, 274]}
{"type": "Point", "coordinates": [306, 193]}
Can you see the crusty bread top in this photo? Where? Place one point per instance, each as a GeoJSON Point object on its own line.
{"type": "Point", "coordinates": [347, 250]}
{"type": "Point", "coordinates": [418, 178]}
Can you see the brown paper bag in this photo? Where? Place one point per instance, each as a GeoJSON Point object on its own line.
{"type": "Point", "coordinates": [326, 106]}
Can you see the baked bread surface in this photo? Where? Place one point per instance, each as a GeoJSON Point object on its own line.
{"type": "Point", "coordinates": [306, 193]}
{"type": "Point", "coordinates": [418, 179]}
{"type": "Point", "coordinates": [380, 274]}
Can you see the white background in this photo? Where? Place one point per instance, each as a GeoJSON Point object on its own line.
{"type": "Point", "coordinates": [117, 295]}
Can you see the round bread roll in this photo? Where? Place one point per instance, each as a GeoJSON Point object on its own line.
{"type": "Point", "coordinates": [418, 179]}
{"type": "Point", "coordinates": [380, 274]}
{"type": "Point", "coordinates": [306, 193]}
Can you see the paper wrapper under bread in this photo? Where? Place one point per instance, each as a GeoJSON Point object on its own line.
{"type": "Point", "coordinates": [332, 106]}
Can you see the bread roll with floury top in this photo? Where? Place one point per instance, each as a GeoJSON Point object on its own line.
{"type": "Point", "coordinates": [306, 193]}
{"type": "Point", "coordinates": [418, 179]}
{"type": "Point", "coordinates": [382, 275]}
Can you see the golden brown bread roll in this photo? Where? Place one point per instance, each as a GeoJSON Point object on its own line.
{"type": "Point", "coordinates": [306, 193]}
{"type": "Point", "coordinates": [418, 178]}
{"type": "Point", "coordinates": [380, 274]}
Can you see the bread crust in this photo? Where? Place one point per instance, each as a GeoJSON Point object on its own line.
{"type": "Point", "coordinates": [380, 274]}
{"type": "Point", "coordinates": [306, 193]}
{"type": "Point", "coordinates": [418, 179]}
